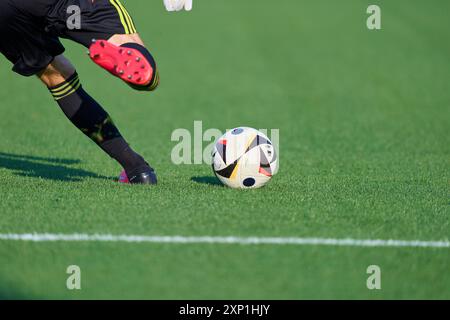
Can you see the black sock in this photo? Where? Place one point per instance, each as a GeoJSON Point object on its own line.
{"type": "Point", "coordinates": [88, 116]}
{"type": "Point", "coordinates": [154, 82]}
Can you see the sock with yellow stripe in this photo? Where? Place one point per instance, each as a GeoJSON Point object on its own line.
{"type": "Point", "coordinates": [88, 116]}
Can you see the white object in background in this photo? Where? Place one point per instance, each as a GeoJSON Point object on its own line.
{"type": "Point", "coordinates": [178, 5]}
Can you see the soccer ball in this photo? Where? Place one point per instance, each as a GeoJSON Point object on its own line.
{"type": "Point", "coordinates": [244, 158]}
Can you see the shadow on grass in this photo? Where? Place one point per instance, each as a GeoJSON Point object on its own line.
{"type": "Point", "coordinates": [46, 168]}
{"type": "Point", "coordinates": [210, 180]}
{"type": "Point", "coordinates": [12, 295]}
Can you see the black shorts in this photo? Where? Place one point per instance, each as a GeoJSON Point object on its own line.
{"type": "Point", "coordinates": [30, 29]}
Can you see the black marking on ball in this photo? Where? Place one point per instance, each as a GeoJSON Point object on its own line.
{"type": "Point", "coordinates": [249, 182]}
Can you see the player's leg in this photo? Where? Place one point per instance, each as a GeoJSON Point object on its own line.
{"type": "Point", "coordinates": [135, 49]}
{"type": "Point", "coordinates": [121, 39]}
{"type": "Point", "coordinates": [34, 51]}
{"type": "Point", "coordinates": [87, 115]}
{"type": "Point", "coordinates": [117, 48]}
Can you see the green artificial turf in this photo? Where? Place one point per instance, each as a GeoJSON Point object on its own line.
{"type": "Point", "coordinates": [364, 120]}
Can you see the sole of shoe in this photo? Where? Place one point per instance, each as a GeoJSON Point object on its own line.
{"type": "Point", "coordinates": [125, 63]}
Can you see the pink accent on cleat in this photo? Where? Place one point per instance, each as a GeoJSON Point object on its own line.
{"type": "Point", "coordinates": [117, 61]}
{"type": "Point", "coordinates": [123, 177]}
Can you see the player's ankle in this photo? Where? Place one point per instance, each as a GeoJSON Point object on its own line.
{"type": "Point", "coordinates": [119, 150]}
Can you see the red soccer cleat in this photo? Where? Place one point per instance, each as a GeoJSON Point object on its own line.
{"type": "Point", "coordinates": [125, 63]}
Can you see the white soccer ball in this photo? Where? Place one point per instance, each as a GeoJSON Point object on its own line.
{"type": "Point", "coordinates": [244, 158]}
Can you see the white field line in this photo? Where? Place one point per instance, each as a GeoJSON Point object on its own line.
{"type": "Point", "coordinates": [48, 237]}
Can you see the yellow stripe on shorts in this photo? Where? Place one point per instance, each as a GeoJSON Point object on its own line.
{"type": "Point", "coordinates": [125, 18]}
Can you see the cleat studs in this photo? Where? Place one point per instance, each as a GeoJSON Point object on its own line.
{"type": "Point", "coordinates": [130, 77]}
{"type": "Point", "coordinates": [129, 52]}
{"type": "Point", "coordinates": [121, 72]}
{"type": "Point", "coordinates": [94, 40]}
{"type": "Point", "coordinates": [138, 59]}
{"type": "Point", "coordinates": [120, 51]}
{"type": "Point", "coordinates": [102, 44]}
{"type": "Point", "coordinates": [88, 53]}
{"type": "Point", "coordinates": [96, 56]}
{"type": "Point", "coordinates": [143, 67]}
{"type": "Point", "coordinates": [138, 79]}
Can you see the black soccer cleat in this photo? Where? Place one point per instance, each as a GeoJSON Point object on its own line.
{"type": "Point", "coordinates": [143, 175]}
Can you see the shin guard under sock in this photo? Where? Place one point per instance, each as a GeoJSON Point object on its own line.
{"type": "Point", "coordinates": [88, 116]}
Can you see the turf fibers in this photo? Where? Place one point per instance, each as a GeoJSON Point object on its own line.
{"type": "Point", "coordinates": [364, 119]}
